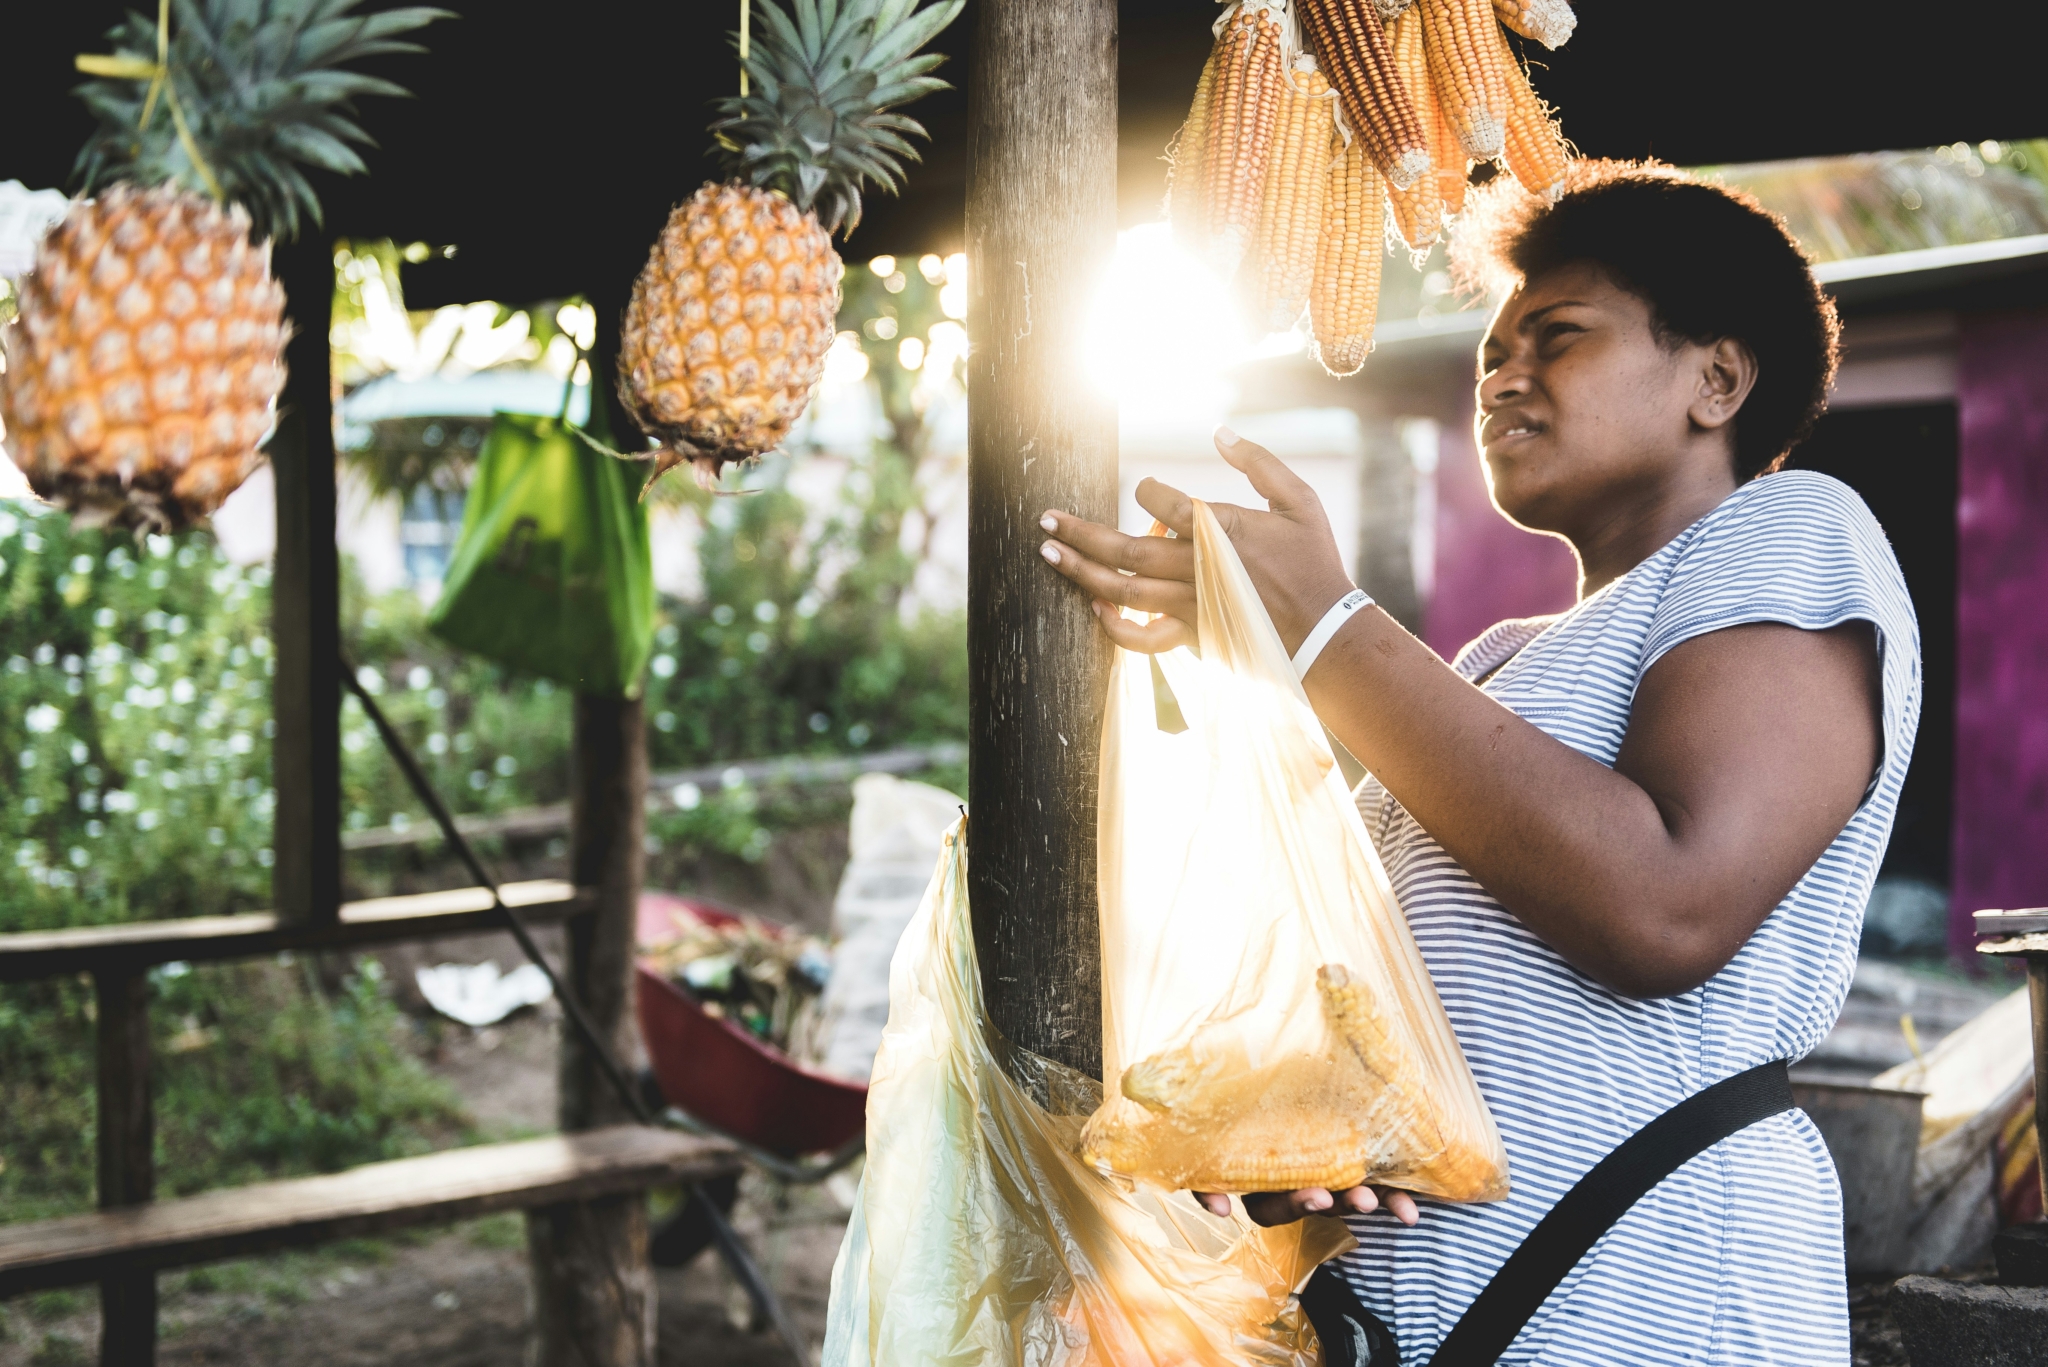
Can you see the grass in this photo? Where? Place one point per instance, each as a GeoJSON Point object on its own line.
{"type": "Point", "coordinates": [499, 1232]}
{"type": "Point", "coordinates": [60, 1350]}
{"type": "Point", "coordinates": [264, 1069]}
{"type": "Point", "coordinates": [55, 1305]}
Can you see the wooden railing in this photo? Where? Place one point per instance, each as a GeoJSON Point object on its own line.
{"type": "Point", "coordinates": [119, 958]}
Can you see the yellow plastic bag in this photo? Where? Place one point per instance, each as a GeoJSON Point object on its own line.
{"type": "Point", "coordinates": [980, 1238]}
{"type": "Point", "coordinates": [1268, 1023]}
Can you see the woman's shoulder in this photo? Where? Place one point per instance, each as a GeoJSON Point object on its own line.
{"type": "Point", "coordinates": [1793, 503]}
{"type": "Point", "coordinates": [1798, 547]}
{"type": "Point", "coordinates": [1789, 531]}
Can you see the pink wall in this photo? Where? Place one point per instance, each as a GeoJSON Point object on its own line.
{"type": "Point", "coordinates": [2000, 839]}
{"type": "Point", "coordinates": [1487, 568]}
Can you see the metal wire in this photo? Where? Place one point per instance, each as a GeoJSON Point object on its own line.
{"type": "Point", "coordinates": [736, 1255]}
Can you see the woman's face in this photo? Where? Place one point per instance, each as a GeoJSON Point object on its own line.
{"type": "Point", "coordinates": [1580, 405]}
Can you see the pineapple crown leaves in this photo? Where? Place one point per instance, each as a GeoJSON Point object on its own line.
{"type": "Point", "coordinates": [818, 123]}
{"type": "Point", "coordinates": [256, 90]}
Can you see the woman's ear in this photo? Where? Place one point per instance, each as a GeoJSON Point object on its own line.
{"type": "Point", "coordinates": [1727, 374]}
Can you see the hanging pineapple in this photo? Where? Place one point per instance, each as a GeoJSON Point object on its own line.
{"type": "Point", "coordinates": [727, 329]}
{"type": "Point", "coordinates": [144, 365]}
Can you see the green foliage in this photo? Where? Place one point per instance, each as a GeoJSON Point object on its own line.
{"type": "Point", "coordinates": [134, 726]}
{"type": "Point", "coordinates": [60, 1350]}
{"type": "Point", "coordinates": [55, 1305]}
{"type": "Point", "coordinates": [256, 87]}
{"type": "Point", "coordinates": [488, 739]}
{"type": "Point", "coordinates": [1879, 202]}
{"type": "Point", "coordinates": [796, 645]}
{"type": "Point", "coordinates": [261, 1069]}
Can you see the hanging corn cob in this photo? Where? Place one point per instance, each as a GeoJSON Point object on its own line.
{"type": "Point", "coordinates": [1453, 167]}
{"type": "Point", "coordinates": [1184, 159]}
{"type": "Point", "coordinates": [1283, 259]}
{"type": "Point", "coordinates": [1294, 168]}
{"type": "Point", "coordinates": [1549, 22]}
{"type": "Point", "coordinates": [1535, 147]}
{"type": "Point", "coordinates": [1417, 211]}
{"type": "Point", "coordinates": [1352, 46]}
{"type": "Point", "coordinates": [1345, 294]}
{"type": "Point", "coordinates": [1244, 103]}
{"type": "Point", "coordinates": [1468, 64]}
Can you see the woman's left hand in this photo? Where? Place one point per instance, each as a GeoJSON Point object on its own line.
{"type": "Point", "coordinates": [1289, 551]}
{"type": "Point", "coordinates": [1285, 1207]}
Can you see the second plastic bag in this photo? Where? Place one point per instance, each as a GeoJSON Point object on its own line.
{"type": "Point", "coordinates": [980, 1238]}
{"type": "Point", "coordinates": [1268, 1023]}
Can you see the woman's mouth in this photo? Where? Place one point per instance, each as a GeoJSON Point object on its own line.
{"type": "Point", "coordinates": [1513, 432]}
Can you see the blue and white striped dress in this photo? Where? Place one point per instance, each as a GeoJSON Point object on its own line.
{"type": "Point", "coordinates": [1737, 1257]}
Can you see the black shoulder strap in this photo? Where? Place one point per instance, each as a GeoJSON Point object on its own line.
{"type": "Point", "coordinates": [1603, 1196]}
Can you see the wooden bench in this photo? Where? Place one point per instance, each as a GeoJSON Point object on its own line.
{"type": "Point", "coordinates": [132, 1236]}
{"type": "Point", "coordinates": [455, 1184]}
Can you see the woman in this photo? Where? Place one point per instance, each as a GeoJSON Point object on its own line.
{"type": "Point", "coordinates": [1634, 840]}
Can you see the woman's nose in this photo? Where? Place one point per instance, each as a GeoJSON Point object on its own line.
{"type": "Point", "coordinates": [1505, 384]}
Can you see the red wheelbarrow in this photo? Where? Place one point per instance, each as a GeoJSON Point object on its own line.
{"type": "Point", "coordinates": [729, 1082]}
{"type": "Point", "coordinates": [718, 1079]}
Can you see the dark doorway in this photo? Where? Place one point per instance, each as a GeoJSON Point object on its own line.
{"type": "Point", "coordinates": [1903, 462]}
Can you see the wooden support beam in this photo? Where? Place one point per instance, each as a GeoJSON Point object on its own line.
{"type": "Point", "coordinates": [127, 1156]}
{"type": "Point", "coordinates": [1041, 224]}
{"type": "Point", "coordinates": [593, 1282]}
{"type": "Point", "coordinates": [306, 603]}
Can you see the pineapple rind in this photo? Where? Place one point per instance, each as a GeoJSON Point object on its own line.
{"type": "Point", "coordinates": [144, 366]}
{"type": "Point", "coordinates": [729, 323]}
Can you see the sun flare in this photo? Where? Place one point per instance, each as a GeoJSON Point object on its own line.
{"type": "Point", "coordinates": [1163, 336]}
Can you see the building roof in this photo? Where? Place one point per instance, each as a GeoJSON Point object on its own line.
{"type": "Point", "coordinates": [1894, 281]}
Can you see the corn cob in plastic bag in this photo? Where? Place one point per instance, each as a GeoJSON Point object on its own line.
{"type": "Point", "coordinates": [1268, 1023]}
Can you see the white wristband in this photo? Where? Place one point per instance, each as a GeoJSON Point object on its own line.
{"type": "Point", "coordinates": [1333, 621]}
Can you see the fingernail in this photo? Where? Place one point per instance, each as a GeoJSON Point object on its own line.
{"type": "Point", "coordinates": [1050, 552]}
{"type": "Point", "coordinates": [1049, 522]}
{"type": "Point", "coordinates": [1318, 1203]}
{"type": "Point", "coordinates": [1225, 437]}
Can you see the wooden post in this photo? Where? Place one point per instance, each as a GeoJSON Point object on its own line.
{"type": "Point", "coordinates": [127, 1154]}
{"type": "Point", "coordinates": [1041, 223]}
{"type": "Point", "coordinates": [593, 1283]}
{"type": "Point", "coordinates": [306, 605]}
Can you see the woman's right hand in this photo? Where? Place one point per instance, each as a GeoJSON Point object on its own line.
{"type": "Point", "coordinates": [1288, 550]}
{"type": "Point", "coordinates": [1285, 1207]}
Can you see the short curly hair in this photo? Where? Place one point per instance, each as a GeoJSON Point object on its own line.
{"type": "Point", "coordinates": [1710, 261]}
